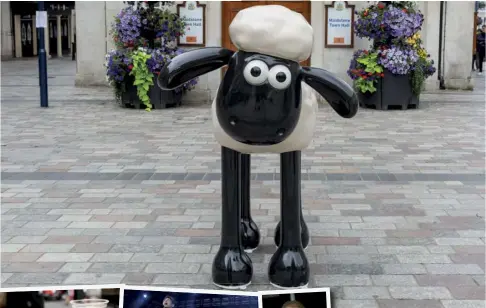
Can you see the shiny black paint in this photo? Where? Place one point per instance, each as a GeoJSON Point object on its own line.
{"type": "Point", "coordinates": [304, 231]}
{"type": "Point", "coordinates": [250, 235]}
{"type": "Point", "coordinates": [336, 91]}
{"type": "Point", "coordinates": [198, 62]}
{"type": "Point", "coordinates": [289, 266]}
{"type": "Point", "coordinates": [258, 115]}
{"type": "Point", "coordinates": [192, 64]}
{"type": "Point", "coordinates": [231, 267]}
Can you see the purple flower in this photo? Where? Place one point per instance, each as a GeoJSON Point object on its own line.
{"type": "Point", "coordinates": [116, 63]}
{"type": "Point", "coordinates": [398, 60]}
{"type": "Point", "coordinates": [127, 25]}
{"type": "Point", "coordinates": [400, 23]}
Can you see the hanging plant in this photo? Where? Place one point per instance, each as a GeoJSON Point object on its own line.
{"type": "Point", "coordinates": [365, 70]}
{"type": "Point", "coordinates": [144, 78]}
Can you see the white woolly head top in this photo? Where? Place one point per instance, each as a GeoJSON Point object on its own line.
{"type": "Point", "coordinates": [272, 30]}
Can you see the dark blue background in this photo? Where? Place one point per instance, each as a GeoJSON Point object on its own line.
{"type": "Point", "coordinates": [153, 299]}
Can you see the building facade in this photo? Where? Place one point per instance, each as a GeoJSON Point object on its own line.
{"type": "Point", "coordinates": [447, 33]}
{"type": "Point", "coordinates": [19, 35]}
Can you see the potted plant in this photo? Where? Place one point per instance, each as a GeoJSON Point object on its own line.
{"type": "Point", "coordinates": [145, 37]}
{"type": "Point", "coordinates": [392, 72]}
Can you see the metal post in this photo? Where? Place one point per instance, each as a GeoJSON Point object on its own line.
{"type": "Point", "coordinates": [42, 62]}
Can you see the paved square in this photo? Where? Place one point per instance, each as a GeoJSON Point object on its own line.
{"type": "Point", "coordinates": [92, 193]}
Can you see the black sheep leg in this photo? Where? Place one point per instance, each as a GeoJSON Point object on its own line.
{"type": "Point", "coordinates": [289, 267]}
{"type": "Point", "coordinates": [249, 229]}
{"type": "Point", "coordinates": [304, 231]}
{"type": "Point", "coordinates": [232, 268]}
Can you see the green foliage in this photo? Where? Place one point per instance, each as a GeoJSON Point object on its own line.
{"type": "Point", "coordinates": [144, 79]}
{"type": "Point", "coordinates": [369, 71]}
{"type": "Point", "coordinates": [417, 76]}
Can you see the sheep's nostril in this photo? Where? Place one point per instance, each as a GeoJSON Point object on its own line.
{"type": "Point", "coordinates": [281, 132]}
{"type": "Point", "coordinates": [233, 121]}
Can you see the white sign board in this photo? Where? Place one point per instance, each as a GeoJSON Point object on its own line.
{"type": "Point", "coordinates": [193, 14]}
{"type": "Point", "coordinates": [41, 19]}
{"type": "Point", "coordinates": [339, 25]}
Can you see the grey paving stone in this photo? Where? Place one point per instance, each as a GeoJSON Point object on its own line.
{"type": "Point", "coordinates": [47, 248]}
{"type": "Point", "coordinates": [37, 278]}
{"type": "Point", "coordinates": [78, 267]}
{"type": "Point", "coordinates": [404, 303]}
{"type": "Point", "coordinates": [157, 257]}
{"type": "Point", "coordinates": [31, 267]}
{"type": "Point", "coordinates": [65, 257]}
{"type": "Point", "coordinates": [111, 257]}
{"type": "Point", "coordinates": [451, 269]}
{"type": "Point", "coordinates": [393, 280]}
{"type": "Point", "coordinates": [342, 280]}
{"type": "Point", "coordinates": [419, 293]}
{"type": "Point", "coordinates": [404, 269]}
{"type": "Point", "coordinates": [139, 279]}
{"type": "Point", "coordinates": [92, 278]}
{"type": "Point", "coordinates": [463, 303]}
{"type": "Point", "coordinates": [116, 267]}
{"type": "Point", "coordinates": [365, 292]}
{"type": "Point", "coordinates": [172, 268]}
{"type": "Point", "coordinates": [182, 279]}
{"type": "Point", "coordinates": [135, 248]}
{"type": "Point", "coordinates": [351, 303]}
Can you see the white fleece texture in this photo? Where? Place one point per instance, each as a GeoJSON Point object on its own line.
{"type": "Point", "coordinates": [272, 30]}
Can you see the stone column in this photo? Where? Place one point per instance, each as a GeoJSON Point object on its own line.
{"type": "Point", "coordinates": [458, 45]}
{"type": "Point", "coordinates": [112, 9]}
{"type": "Point", "coordinates": [34, 35]}
{"type": "Point", "coordinates": [6, 26]}
{"type": "Point", "coordinates": [430, 36]}
{"type": "Point", "coordinates": [59, 36]}
{"type": "Point", "coordinates": [90, 43]}
{"type": "Point", "coordinates": [18, 36]}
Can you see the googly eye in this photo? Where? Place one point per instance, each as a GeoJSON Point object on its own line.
{"type": "Point", "coordinates": [279, 77]}
{"type": "Point", "coordinates": [256, 72]}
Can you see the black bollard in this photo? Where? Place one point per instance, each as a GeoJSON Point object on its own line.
{"type": "Point", "coordinates": [42, 62]}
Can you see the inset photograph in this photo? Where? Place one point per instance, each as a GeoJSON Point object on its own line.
{"type": "Point", "coordinates": [145, 297]}
{"type": "Point", "coordinates": [305, 298]}
{"type": "Point", "coordinates": [62, 297]}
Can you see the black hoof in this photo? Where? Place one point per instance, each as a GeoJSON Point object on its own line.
{"type": "Point", "coordinates": [232, 268]}
{"type": "Point", "coordinates": [304, 234]}
{"type": "Point", "coordinates": [289, 268]}
{"type": "Point", "coordinates": [250, 235]}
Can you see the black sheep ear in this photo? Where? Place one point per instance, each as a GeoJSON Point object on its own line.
{"type": "Point", "coordinates": [192, 64]}
{"type": "Point", "coordinates": [336, 91]}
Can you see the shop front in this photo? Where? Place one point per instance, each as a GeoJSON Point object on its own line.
{"type": "Point", "coordinates": [58, 34]}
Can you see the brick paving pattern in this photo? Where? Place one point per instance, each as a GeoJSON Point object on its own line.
{"type": "Point", "coordinates": [94, 194]}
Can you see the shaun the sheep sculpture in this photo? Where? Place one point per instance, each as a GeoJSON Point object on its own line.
{"type": "Point", "coordinates": [265, 104]}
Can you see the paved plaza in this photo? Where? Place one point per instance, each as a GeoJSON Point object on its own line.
{"type": "Point", "coordinates": [95, 194]}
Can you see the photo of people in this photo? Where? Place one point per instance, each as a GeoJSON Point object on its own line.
{"type": "Point", "coordinates": [317, 298]}
{"type": "Point", "coordinates": [60, 298]}
{"type": "Point", "coordinates": [166, 299]}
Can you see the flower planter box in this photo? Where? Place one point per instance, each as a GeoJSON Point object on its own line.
{"type": "Point", "coordinates": [158, 98]}
{"type": "Point", "coordinates": [392, 92]}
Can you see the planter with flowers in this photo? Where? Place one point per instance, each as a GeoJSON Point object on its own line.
{"type": "Point", "coordinates": [145, 37]}
{"type": "Point", "coordinates": [393, 71]}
